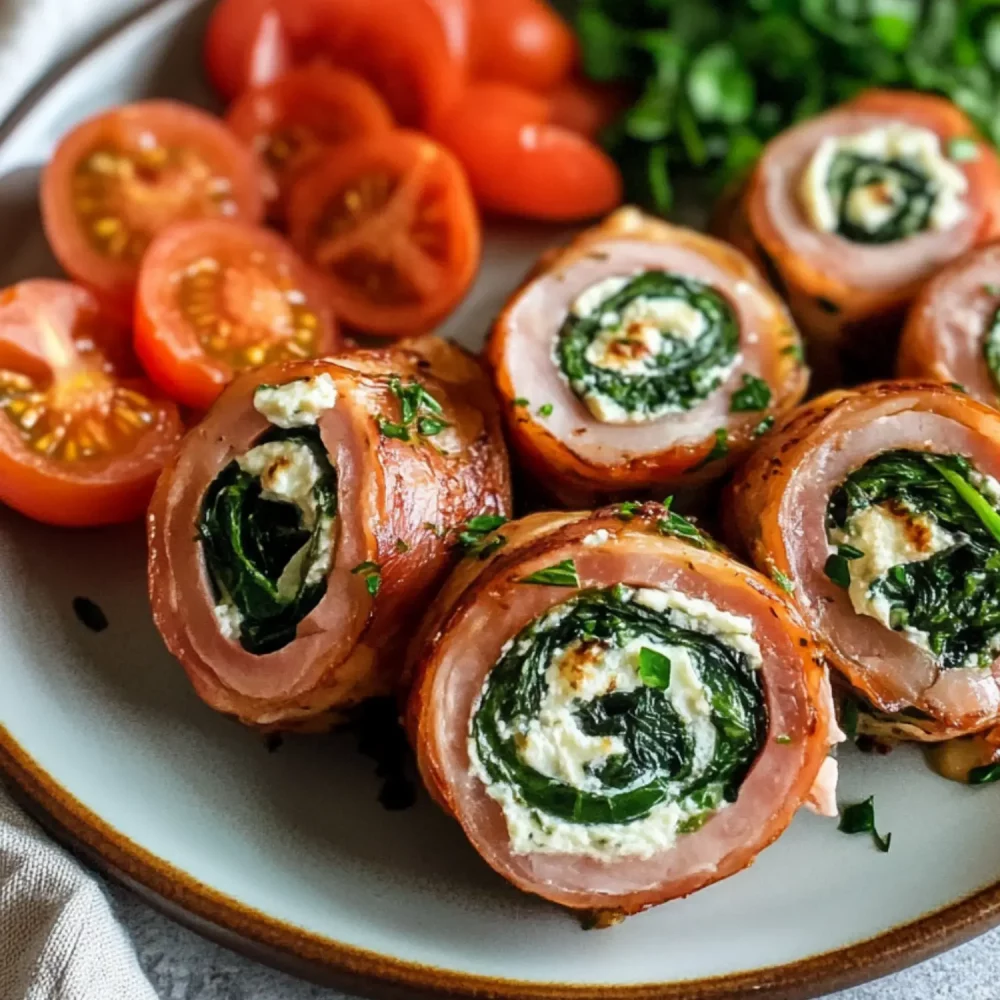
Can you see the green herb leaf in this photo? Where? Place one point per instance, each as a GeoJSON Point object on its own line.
{"type": "Point", "coordinates": [719, 450]}
{"type": "Point", "coordinates": [521, 401]}
{"type": "Point", "coordinates": [392, 430]}
{"type": "Point", "coordinates": [473, 533]}
{"type": "Point", "coordinates": [984, 775]}
{"type": "Point", "coordinates": [849, 717]}
{"type": "Point", "coordinates": [545, 410]}
{"type": "Point", "coordinates": [794, 351]}
{"type": "Point", "coordinates": [372, 573]}
{"type": "Point", "coordinates": [784, 581]}
{"type": "Point", "coordinates": [991, 289]}
{"type": "Point", "coordinates": [719, 87]}
{"type": "Point", "coordinates": [654, 668]}
{"type": "Point", "coordinates": [763, 427]}
{"type": "Point", "coordinates": [849, 552]}
{"type": "Point", "coordinates": [860, 818]}
{"type": "Point", "coordinates": [837, 570]}
{"type": "Point", "coordinates": [784, 739]}
{"type": "Point", "coordinates": [563, 574]}
{"type": "Point", "coordinates": [627, 510]}
{"type": "Point", "coordinates": [429, 426]}
{"type": "Point", "coordinates": [754, 394]}
{"type": "Point", "coordinates": [976, 501]}
{"type": "Point", "coordinates": [963, 150]}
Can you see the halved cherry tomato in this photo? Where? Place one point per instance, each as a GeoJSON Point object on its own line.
{"type": "Point", "coordinates": [586, 107]}
{"type": "Point", "coordinates": [82, 439]}
{"type": "Point", "coordinates": [289, 122]}
{"type": "Point", "coordinates": [391, 221]}
{"type": "Point", "coordinates": [123, 176]}
{"type": "Point", "coordinates": [494, 97]}
{"type": "Point", "coordinates": [519, 166]}
{"type": "Point", "coordinates": [250, 43]}
{"type": "Point", "coordinates": [216, 298]}
{"type": "Point", "coordinates": [521, 41]}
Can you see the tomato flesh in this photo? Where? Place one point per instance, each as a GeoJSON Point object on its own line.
{"type": "Point", "coordinates": [291, 121]}
{"type": "Point", "coordinates": [120, 178]}
{"type": "Point", "coordinates": [216, 298]}
{"type": "Point", "coordinates": [391, 222]}
{"type": "Point", "coordinates": [82, 439]}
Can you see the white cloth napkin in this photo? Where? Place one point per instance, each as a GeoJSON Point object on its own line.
{"type": "Point", "coordinates": [59, 939]}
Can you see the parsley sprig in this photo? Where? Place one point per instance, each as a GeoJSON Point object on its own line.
{"type": "Point", "coordinates": [420, 412]}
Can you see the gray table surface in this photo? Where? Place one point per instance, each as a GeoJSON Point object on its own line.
{"type": "Point", "coordinates": [183, 966]}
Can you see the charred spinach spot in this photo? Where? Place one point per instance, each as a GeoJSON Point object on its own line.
{"type": "Point", "coordinates": [659, 763]}
{"type": "Point", "coordinates": [248, 541]}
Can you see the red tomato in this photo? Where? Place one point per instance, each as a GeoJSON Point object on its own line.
{"type": "Point", "coordinates": [120, 178]}
{"type": "Point", "coordinates": [493, 97]}
{"type": "Point", "coordinates": [216, 298]}
{"type": "Point", "coordinates": [521, 41]}
{"type": "Point", "coordinates": [250, 43]}
{"type": "Point", "coordinates": [391, 221]}
{"type": "Point", "coordinates": [82, 439]}
{"type": "Point", "coordinates": [586, 107]}
{"type": "Point", "coordinates": [291, 121]}
{"type": "Point", "coordinates": [518, 166]}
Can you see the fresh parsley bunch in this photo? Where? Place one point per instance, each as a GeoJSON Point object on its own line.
{"type": "Point", "coordinates": [716, 79]}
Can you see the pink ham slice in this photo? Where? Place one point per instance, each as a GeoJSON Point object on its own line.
{"type": "Point", "coordinates": [579, 459]}
{"type": "Point", "coordinates": [776, 509]}
{"type": "Point", "coordinates": [399, 505]}
{"type": "Point", "coordinates": [483, 606]}
{"type": "Point", "coordinates": [946, 326]}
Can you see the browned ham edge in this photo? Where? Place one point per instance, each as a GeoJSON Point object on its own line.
{"type": "Point", "coordinates": [483, 606]}
{"type": "Point", "coordinates": [776, 510]}
{"type": "Point", "coordinates": [399, 505]}
{"type": "Point", "coordinates": [576, 458]}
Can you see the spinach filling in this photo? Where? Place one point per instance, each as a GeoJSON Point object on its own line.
{"type": "Point", "coordinates": [991, 349]}
{"type": "Point", "coordinates": [952, 597]}
{"type": "Point", "coordinates": [252, 543]}
{"type": "Point", "coordinates": [660, 763]}
{"type": "Point", "coordinates": [912, 193]}
{"type": "Point", "coordinates": [678, 376]}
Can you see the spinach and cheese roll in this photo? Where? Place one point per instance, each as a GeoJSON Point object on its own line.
{"type": "Point", "coordinates": [851, 211]}
{"type": "Point", "coordinates": [952, 331]}
{"type": "Point", "coordinates": [878, 510]}
{"type": "Point", "coordinates": [307, 519]}
{"type": "Point", "coordinates": [641, 357]}
{"type": "Point", "coordinates": [615, 710]}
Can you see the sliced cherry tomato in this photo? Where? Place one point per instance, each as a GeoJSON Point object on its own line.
{"type": "Point", "coordinates": [518, 166]}
{"type": "Point", "coordinates": [216, 298]}
{"type": "Point", "coordinates": [586, 107]}
{"type": "Point", "coordinates": [120, 178]}
{"type": "Point", "coordinates": [391, 221]}
{"type": "Point", "coordinates": [82, 439]}
{"type": "Point", "coordinates": [521, 41]}
{"type": "Point", "coordinates": [289, 122]}
{"type": "Point", "coordinates": [494, 97]}
{"type": "Point", "coordinates": [250, 43]}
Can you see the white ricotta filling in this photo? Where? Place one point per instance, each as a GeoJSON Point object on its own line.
{"type": "Point", "coordinates": [554, 745]}
{"type": "Point", "coordinates": [296, 404]}
{"type": "Point", "coordinates": [888, 537]}
{"type": "Point", "coordinates": [871, 206]}
{"type": "Point", "coordinates": [288, 473]}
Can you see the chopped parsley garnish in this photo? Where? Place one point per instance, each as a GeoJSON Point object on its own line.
{"type": "Point", "coordinates": [763, 427]}
{"type": "Point", "coordinates": [401, 546]}
{"type": "Point", "coordinates": [434, 529]}
{"type": "Point", "coordinates": [837, 570]}
{"type": "Point", "coordinates": [794, 351]}
{"type": "Point", "coordinates": [521, 401]}
{"type": "Point", "coordinates": [372, 573]}
{"type": "Point", "coordinates": [680, 527]}
{"type": "Point", "coordinates": [654, 668]}
{"type": "Point", "coordinates": [627, 510]}
{"type": "Point", "coordinates": [784, 739]}
{"type": "Point", "coordinates": [991, 289]}
{"type": "Point", "coordinates": [860, 818]}
{"type": "Point", "coordinates": [962, 149]}
{"type": "Point", "coordinates": [545, 410]}
{"type": "Point", "coordinates": [783, 580]}
{"type": "Point", "coordinates": [420, 412]}
{"type": "Point", "coordinates": [986, 774]}
{"type": "Point", "coordinates": [958, 387]}
{"type": "Point", "coordinates": [472, 533]}
{"type": "Point", "coordinates": [563, 574]}
{"type": "Point", "coordinates": [720, 449]}
{"type": "Point", "coordinates": [754, 394]}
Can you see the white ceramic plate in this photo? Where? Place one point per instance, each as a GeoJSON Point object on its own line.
{"type": "Point", "coordinates": [289, 855]}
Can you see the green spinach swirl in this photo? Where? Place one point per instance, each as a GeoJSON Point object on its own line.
{"type": "Point", "coordinates": [991, 349]}
{"type": "Point", "coordinates": [950, 600]}
{"type": "Point", "coordinates": [663, 760]}
{"type": "Point", "coordinates": [912, 192]}
{"type": "Point", "coordinates": [259, 550]}
{"type": "Point", "coordinates": [677, 376]}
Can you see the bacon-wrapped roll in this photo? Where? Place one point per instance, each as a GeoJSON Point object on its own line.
{"type": "Point", "coordinates": [307, 519]}
{"type": "Point", "coordinates": [616, 711]}
{"type": "Point", "coordinates": [642, 357]}
{"type": "Point", "coordinates": [879, 511]}
{"type": "Point", "coordinates": [952, 332]}
{"type": "Point", "coordinates": [851, 211]}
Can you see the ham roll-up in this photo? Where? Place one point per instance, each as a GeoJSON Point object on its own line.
{"type": "Point", "coordinates": [309, 517]}
{"type": "Point", "coordinates": [851, 211]}
{"type": "Point", "coordinates": [878, 510]}
{"type": "Point", "coordinates": [641, 357]}
{"type": "Point", "coordinates": [616, 711]}
{"type": "Point", "coordinates": [952, 332]}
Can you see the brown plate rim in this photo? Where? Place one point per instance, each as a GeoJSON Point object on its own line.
{"type": "Point", "coordinates": [225, 920]}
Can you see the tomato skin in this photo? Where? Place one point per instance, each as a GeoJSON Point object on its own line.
{"type": "Point", "coordinates": [108, 490]}
{"type": "Point", "coordinates": [173, 124]}
{"type": "Point", "coordinates": [586, 107]}
{"type": "Point", "coordinates": [518, 166]}
{"type": "Point", "coordinates": [426, 191]}
{"type": "Point", "coordinates": [165, 340]}
{"type": "Point", "coordinates": [323, 104]}
{"type": "Point", "coordinates": [521, 41]}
